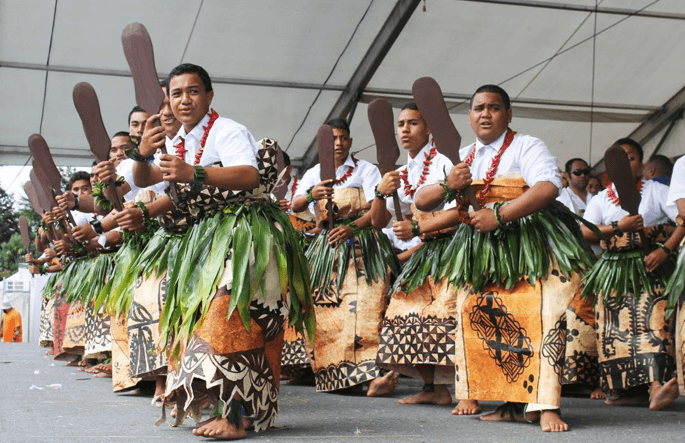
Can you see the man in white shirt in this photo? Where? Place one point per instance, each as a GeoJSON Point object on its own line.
{"type": "Point", "coordinates": [575, 196]}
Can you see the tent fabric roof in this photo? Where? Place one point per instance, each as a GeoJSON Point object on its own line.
{"type": "Point", "coordinates": [280, 67]}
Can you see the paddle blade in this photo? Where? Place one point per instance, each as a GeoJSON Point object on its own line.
{"type": "Point", "coordinates": [428, 98]}
{"type": "Point", "coordinates": [382, 121]}
{"type": "Point", "coordinates": [42, 190]}
{"type": "Point", "coordinates": [326, 144]}
{"type": "Point", "coordinates": [33, 198]}
{"type": "Point", "coordinates": [88, 109]}
{"type": "Point", "coordinates": [42, 160]}
{"type": "Point", "coordinates": [618, 169]}
{"type": "Point", "coordinates": [141, 59]}
{"type": "Point", "coordinates": [24, 228]}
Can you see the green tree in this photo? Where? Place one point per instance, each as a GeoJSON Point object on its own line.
{"type": "Point", "coordinates": [9, 220]}
{"type": "Point", "coordinates": [11, 253]}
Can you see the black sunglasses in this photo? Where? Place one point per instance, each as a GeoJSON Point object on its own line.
{"type": "Point", "coordinates": [579, 172]}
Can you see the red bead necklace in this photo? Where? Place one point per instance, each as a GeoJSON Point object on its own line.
{"type": "Point", "coordinates": [490, 174]}
{"type": "Point", "coordinates": [180, 147]}
{"type": "Point", "coordinates": [613, 198]}
{"type": "Point", "coordinates": [404, 175]}
{"type": "Point", "coordinates": [346, 175]}
{"type": "Point", "coordinates": [293, 188]}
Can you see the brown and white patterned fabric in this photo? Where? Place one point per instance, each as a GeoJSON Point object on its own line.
{"type": "Point", "coordinates": [680, 346]}
{"type": "Point", "coordinates": [59, 323]}
{"type": "Point", "coordinates": [295, 359]}
{"type": "Point", "coordinates": [47, 318]}
{"type": "Point", "coordinates": [98, 334]}
{"type": "Point", "coordinates": [148, 359]}
{"type": "Point", "coordinates": [75, 329]}
{"type": "Point", "coordinates": [122, 379]}
{"type": "Point", "coordinates": [581, 365]}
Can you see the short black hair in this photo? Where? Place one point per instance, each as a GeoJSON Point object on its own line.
{"type": "Point", "coordinates": [496, 90]}
{"type": "Point", "coordinates": [569, 164]}
{"type": "Point", "coordinates": [189, 68]}
{"type": "Point", "coordinates": [136, 108]}
{"type": "Point", "coordinates": [410, 105]}
{"type": "Point", "coordinates": [78, 175]}
{"type": "Point", "coordinates": [339, 123]}
{"type": "Point", "coordinates": [663, 165]}
{"type": "Point", "coordinates": [633, 143]}
{"type": "Point", "coordinates": [286, 158]}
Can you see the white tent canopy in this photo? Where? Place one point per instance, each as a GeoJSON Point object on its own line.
{"type": "Point", "coordinates": [579, 79]}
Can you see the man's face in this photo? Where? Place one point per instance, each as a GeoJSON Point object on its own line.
{"type": "Point", "coordinates": [412, 131]}
{"type": "Point", "coordinates": [167, 119]}
{"type": "Point", "coordinates": [343, 143]}
{"type": "Point", "coordinates": [136, 125]}
{"type": "Point", "coordinates": [189, 100]}
{"type": "Point", "coordinates": [579, 175]}
{"type": "Point", "coordinates": [117, 150]}
{"type": "Point", "coordinates": [488, 117]}
{"type": "Point", "coordinates": [82, 188]}
{"type": "Point", "coordinates": [634, 158]}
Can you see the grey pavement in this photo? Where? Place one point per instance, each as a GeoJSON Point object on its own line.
{"type": "Point", "coordinates": [42, 400]}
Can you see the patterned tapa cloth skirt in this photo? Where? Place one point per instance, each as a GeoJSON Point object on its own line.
{"type": "Point", "coordinates": [510, 344]}
{"type": "Point", "coordinates": [680, 346]}
{"type": "Point", "coordinates": [348, 323]}
{"type": "Point", "coordinates": [74, 341]}
{"type": "Point", "coordinates": [47, 318]}
{"type": "Point", "coordinates": [121, 365]}
{"type": "Point", "coordinates": [147, 358]}
{"type": "Point", "coordinates": [295, 360]}
{"type": "Point", "coordinates": [59, 325]}
{"type": "Point", "coordinates": [223, 359]}
{"type": "Point", "coordinates": [418, 329]}
{"type": "Point", "coordinates": [635, 341]}
{"type": "Point", "coordinates": [581, 364]}
{"type": "Point", "coordinates": [98, 333]}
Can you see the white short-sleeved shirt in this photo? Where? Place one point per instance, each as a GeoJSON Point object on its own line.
{"type": "Point", "coordinates": [437, 170]}
{"type": "Point", "coordinates": [677, 189]}
{"type": "Point", "coordinates": [653, 207]}
{"type": "Point", "coordinates": [402, 245]}
{"type": "Point", "coordinates": [125, 169]}
{"type": "Point", "coordinates": [573, 201]}
{"type": "Point", "coordinates": [365, 176]}
{"type": "Point", "coordinates": [82, 218]}
{"type": "Point", "coordinates": [526, 155]}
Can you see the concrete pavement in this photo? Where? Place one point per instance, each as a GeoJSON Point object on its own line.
{"type": "Point", "coordinates": [43, 400]}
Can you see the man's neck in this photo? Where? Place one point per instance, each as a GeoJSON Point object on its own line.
{"type": "Point", "coordinates": [582, 193]}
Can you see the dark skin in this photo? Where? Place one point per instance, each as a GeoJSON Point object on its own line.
{"type": "Point", "coordinates": [578, 183]}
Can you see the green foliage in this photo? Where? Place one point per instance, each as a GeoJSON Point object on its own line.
{"type": "Point", "coordinates": [11, 253]}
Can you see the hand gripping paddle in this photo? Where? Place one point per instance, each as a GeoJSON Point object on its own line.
{"type": "Point", "coordinates": [141, 60]}
{"type": "Point", "coordinates": [326, 143]}
{"type": "Point", "coordinates": [618, 169]}
{"type": "Point", "coordinates": [382, 121]}
{"type": "Point", "coordinates": [428, 97]}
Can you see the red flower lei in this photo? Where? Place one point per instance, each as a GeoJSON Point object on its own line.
{"type": "Point", "coordinates": [180, 147]}
{"type": "Point", "coordinates": [346, 175]}
{"type": "Point", "coordinates": [490, 174]}
{"type": "Point", "coordinates": [404, 175]}
{"type": "Point", "coordinates": [613, 198]}
{"type": "Point", "coordinates": [293, 188]}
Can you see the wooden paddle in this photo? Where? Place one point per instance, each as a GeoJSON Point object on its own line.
{"type": "Point", "coordinates": [24, 228]}
{"type": "Point", "coordinates": [33, 198]}
{"type": "Point", "coordinates": [281, 188]}
{"type": "Point", "coordinates": [326, 144]}
{"type": "Point", "coordinates": [429, 99]}
{"type": "Point", "coordinates": [382, 121]}
{"type": "Point", "coordinates": [43, 200]}
{"type": "Point", "coordinates": [140, 56]}
{"type": "Point", "coordinates": [620, 173]}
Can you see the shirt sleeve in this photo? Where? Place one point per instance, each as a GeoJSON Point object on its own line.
{"type": "Point", "coordinates": [537, 163]}
{"type": "Point", "coordinates": [593, 212]}
{"type": "Point", "coordinates": [677, 188]}
{"type": "Point", "coordinates": [309, 179]}
{"type": "Point", "coordinates": [372, 176]}
{"type": "Point", "coordinates": [236, 146]}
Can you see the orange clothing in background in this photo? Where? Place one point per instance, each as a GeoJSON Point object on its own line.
{"type": "Point", "coordinates": [11, 326]}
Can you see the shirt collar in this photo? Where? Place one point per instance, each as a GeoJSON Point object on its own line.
{"type": "Point", "coordinates": [496, 144]}
{"type": "Point", "coordinates": [196, 133]}
{"type": "Point", "coordinates": [420, 157]}
{"type": "Point", "coordinates": [349, 162]}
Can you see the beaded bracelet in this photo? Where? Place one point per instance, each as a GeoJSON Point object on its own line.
{"type": "Point", "coordinates": [143, 208]}
{"type": "Point", "coordinates": [355, 228]}
{"type": "Point", "coordinates": [448, 194]}
{"type": "Point", "coordinates": [310, 197]}
{"type": "Point", "coordinates": [135, 155]}
{"type": "Point", "coordinates": [379, 194]}
{"type": "Point", "coordinates": [415, 228]}
{"type": "Point", "coordinates": [497, 207]}
{"type": "Point", "coordinates": [664, 247]}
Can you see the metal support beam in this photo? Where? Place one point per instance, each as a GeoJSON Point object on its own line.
{"type": "Point", "coordinates": [582, 8]}
{"type": "Point", "coordinates": [397, 19]}
{"type": "Point", "coordinates": [664, 137]}
{"type": "Point", "coordinates": [215, 80]}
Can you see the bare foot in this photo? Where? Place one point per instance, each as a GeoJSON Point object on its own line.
{"type": "Point", "coordinates": [597, 394]}
{"type": "Point", "coordinates": [550, 421]}
{"type": "Point", "coordinates": [510, 412]}
{"type": "Point", "coordinates": [74, 363]}
{"type": "Point", "coordinates": [221, 429]}
{"type": "Point", "coordinates": [466, 407]}
{"type": "Point", "coordinates": [160, 385]}
{"type": "Point", "coordinates": [662, 396]}
{"type": "Point", "coordinates": [174, 412]}
{"type": "Point", "coordinates": [627, 401]}
{"type": "Point", "coordinates": [441, 396]}
{"type": "Point", "coordinates": [383, 385]}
